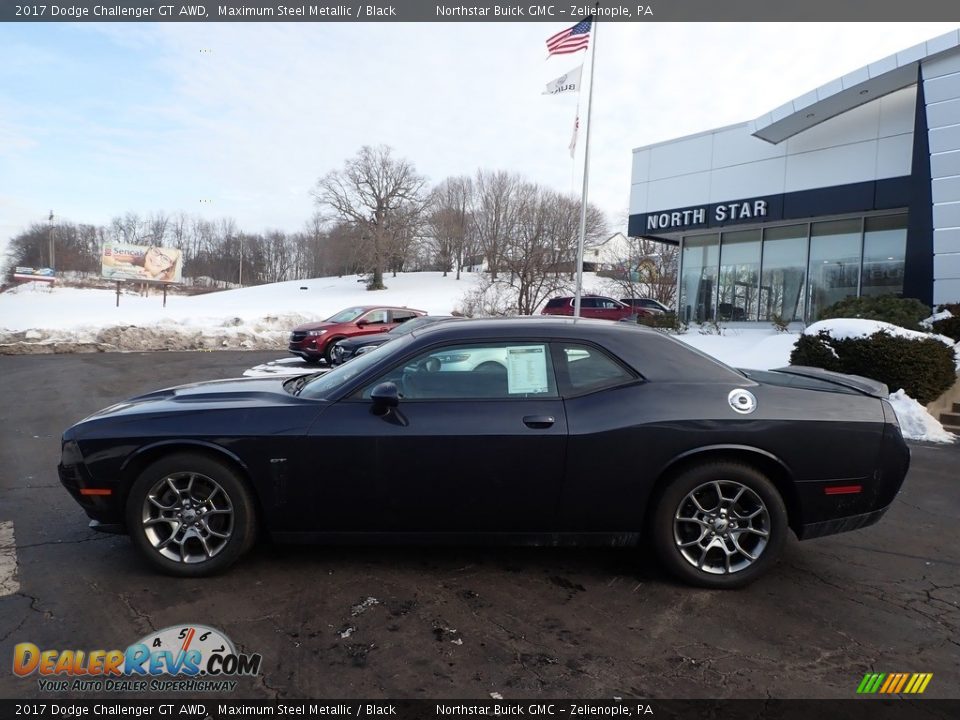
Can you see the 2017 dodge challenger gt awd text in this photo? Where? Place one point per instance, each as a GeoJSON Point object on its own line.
{"type": "Point", "coordinates": [527, 430]}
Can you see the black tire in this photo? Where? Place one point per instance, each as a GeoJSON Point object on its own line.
{"type": "Point", "coordinates": [677, 519]}
{"type": "Point", "coordinates": [328, 350]}
{"type": "Point", "coordinates": [223, 527]}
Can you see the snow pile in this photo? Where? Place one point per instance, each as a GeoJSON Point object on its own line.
{"type": "Point", "coordinates": [845, 328]}
{"type": "Point", "coordinates": [915, 422]}
{"type": "Point", "coordinates": [942, 315]}
{"type": "Point", "coordinates": [754, 349]}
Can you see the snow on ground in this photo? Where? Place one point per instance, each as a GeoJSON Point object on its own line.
{"type": "Point", "coordinates": [38, 318]}
{"type": "Point", "coordinates": [35, 317]}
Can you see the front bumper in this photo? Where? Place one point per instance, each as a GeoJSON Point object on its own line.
{"type": "Point", "coordinates": [106, 509]}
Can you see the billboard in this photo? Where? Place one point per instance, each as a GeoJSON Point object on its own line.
{"type": "Point", "coordinates": [141, 263]}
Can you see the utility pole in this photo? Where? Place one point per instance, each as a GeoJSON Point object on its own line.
{"type": "Point", "coordinates": [50, 240]}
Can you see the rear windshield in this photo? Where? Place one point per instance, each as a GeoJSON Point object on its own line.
{"type": "Point", "coordinates": [557, 302]}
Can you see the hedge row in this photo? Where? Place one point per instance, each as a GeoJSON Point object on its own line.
{"type": "Point", "coordinates": [923, 367]}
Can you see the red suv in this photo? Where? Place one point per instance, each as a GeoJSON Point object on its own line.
{"type": "Point", "coordinates": [591, 306]}
{"type": "Point", "coordinates": [314, 341]}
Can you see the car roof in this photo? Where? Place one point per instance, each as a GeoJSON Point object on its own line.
{"type": "Point", "coordinates": [652, 353]}
{"type": "Point", "coordinates": [367, 308]}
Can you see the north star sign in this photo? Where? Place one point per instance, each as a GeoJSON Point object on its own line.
{"type": "Point", "coordinates": [739, 211]}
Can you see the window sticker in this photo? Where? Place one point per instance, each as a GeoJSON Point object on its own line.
{"type": "Point", "coordinates": [527, 369]}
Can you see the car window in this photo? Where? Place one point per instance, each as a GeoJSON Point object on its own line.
{"type": "Point", "coordinates": [400, 316]}
{"type": "Point", "coordinates": [589, 302]}
{"type": "Point", "coordinates": [585, 369]}
{"type": "Point", "coordinates": [376, 316]}
{"type": "Point", "coordinates": [488, 371]}
{"type": "Point", "coordinates": [328, 385]}
{"type": "Point", "coordinates": [558, 302]}
{"type": "Point", "coordinates": [348, 315]}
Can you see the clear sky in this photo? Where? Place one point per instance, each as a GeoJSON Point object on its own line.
{"type": "Point", "coordinates": [239, 119]}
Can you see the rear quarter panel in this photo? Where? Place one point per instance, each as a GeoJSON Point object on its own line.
{"type": "Point", "coordinates": [622, 441]}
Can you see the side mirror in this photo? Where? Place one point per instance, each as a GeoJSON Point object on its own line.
{"type": "Point", "coordinates": [384, 396]}
{"type": "Point", "coordinates": [361, 322]}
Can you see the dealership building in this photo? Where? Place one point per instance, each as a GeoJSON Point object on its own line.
{"type": "Point", "coordinates": [850, 189]}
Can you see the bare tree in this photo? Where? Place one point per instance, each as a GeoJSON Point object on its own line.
{"type": "Point", "coordinates": [539, 232]}
{"type": "Point", "coordinates": [494, 214]}
{"type": "Point", "coordinates": [377, 194]}
{"type": "Point", "coordinates": [649, 270]}
{"type": "Point", "coordinates": [450, 223]}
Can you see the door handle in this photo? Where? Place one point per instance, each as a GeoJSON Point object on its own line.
{"type": "Point", "coordinates": [538, 421]}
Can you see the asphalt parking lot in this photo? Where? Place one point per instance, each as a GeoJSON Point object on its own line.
{"type": "Point", "coordinates": [467, 622]}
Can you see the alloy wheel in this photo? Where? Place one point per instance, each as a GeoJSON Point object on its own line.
{"type": "Point", "coordinates": [187, 517]}
{"type": "Point", "coordinates": [721, 527]}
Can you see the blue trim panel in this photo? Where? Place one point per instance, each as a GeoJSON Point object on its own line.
{"type": "Point", "coordinates": [868, 196]}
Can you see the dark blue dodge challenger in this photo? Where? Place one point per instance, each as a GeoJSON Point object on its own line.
{"type": "Point", "coordinates": [527, 430]}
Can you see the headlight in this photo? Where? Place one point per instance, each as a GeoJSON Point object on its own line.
{"type": "Point", "coordinates": [455, 358]}
{"type": "Point", "coordinates": [363, 350]}
{"type": "Point", "coordinates": [315, 333]}
{"type": "Point", "coordinates": [70, 454]}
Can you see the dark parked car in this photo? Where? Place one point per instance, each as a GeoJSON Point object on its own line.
{"type": "Point", "coordinates": [315, 341]}
{"type": "Point", "coordinates": [351, 347]}
{"type": "Point", "coordinates": [530, 430]}
{"type": "Point", "coordinates": [647, 304]}
{"type": "Point", "coordinates": [591, 306]}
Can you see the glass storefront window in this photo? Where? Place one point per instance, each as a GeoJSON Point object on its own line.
{"type": "Point", "coordinates": [884, 249]}
{"type": "Point", "coordinates": [698, 281]}
{"type": "Point", "coordinates": [783, 280]}
{"type": "Point", "coordinates": [739, 275]}
{"type": "Point", "coordinates": [834, 272]}
{"type": "Point", "coordinates": [760, 274]}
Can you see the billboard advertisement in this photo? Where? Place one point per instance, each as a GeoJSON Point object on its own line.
{"type": "Point", "coordinates": [141, 263]}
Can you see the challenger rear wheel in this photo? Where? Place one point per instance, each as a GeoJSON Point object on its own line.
{"type": "Point", "coordinates": [719, 525]}
{"type": "Point", "coordinates": [191, 515]}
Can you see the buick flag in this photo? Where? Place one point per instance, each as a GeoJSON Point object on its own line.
{"type": "Point", "coordinates": [568, 82]}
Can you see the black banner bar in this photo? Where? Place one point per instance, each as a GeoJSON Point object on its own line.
{"type": "Point", "coordinates": [447, 11]}
{"type": "Point", "coordinates": [866, 708]}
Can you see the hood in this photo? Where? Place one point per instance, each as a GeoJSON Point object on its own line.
{"type": "Point", "coordinates": [215, 394]}
{"type": "Point", "coordinates": [319, 325]}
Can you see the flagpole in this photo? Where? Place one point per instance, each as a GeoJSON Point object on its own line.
{"type": "Point", "coordinates": [586, 176]}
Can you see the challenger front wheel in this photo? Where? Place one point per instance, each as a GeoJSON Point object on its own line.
{"type": "Point", "coordinates": [190, 515]}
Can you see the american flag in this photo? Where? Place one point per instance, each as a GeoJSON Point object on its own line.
{"type": "Point", "coordinates": [570, 40]}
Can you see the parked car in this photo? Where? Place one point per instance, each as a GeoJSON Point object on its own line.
{"type": "Point", "coordinates": [591, 306]}
{"type": "Point", "coordinates": [315, 341]}
{"type": "Point", "coordinates": [650, 305]}
{"type": "Point", "coordinates": [351, 347]}
{"type": "Point", "coordinates": [596, 432]}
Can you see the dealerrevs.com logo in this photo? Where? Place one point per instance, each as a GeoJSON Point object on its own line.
{"type": "Point", "coordinates": [184, 658]}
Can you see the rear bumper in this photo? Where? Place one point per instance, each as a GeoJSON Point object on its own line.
{"type": "Point", "coordinates": [840, 525]}
{"type": "Point", "coordinates": [827, 514]}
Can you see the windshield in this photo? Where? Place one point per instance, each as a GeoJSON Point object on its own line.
{"type": "Point", "coordinates": [410, 325]}
{"type": "Point", "coordinates": [325, 385]}
{"type": "Point", "coordinates": [348, 315]}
